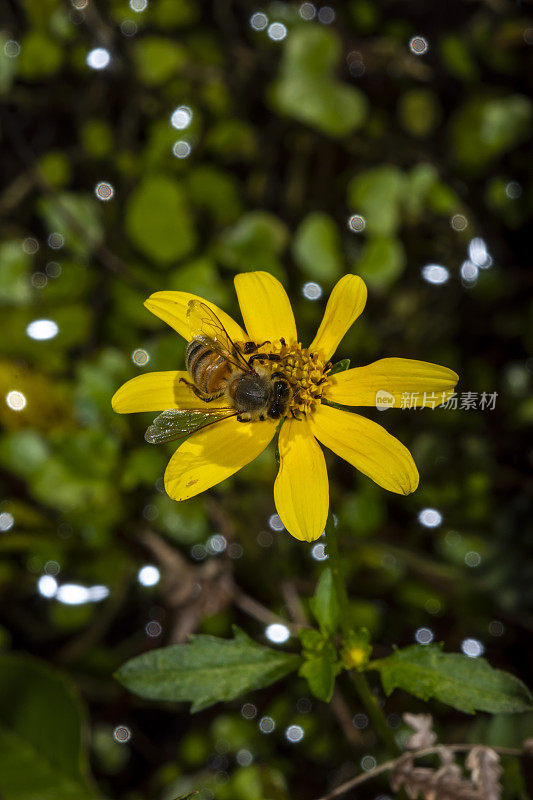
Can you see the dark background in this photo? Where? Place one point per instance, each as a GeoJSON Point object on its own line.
{"type": "Point", "coordinates": [285, 140]}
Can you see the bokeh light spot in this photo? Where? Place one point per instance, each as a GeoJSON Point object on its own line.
{"type": "Point", "coordinates": [472, 648]}
{"type": "Point", "coordinates": [356, 223]}
{"type": "Point", "coordinates": [16, 400]}
{"type": "Point", "coordinates": [181, 118]}
{"type": "Point", "coordinates": [307, 11]}
{"type": "Point", "coordinates": [148, 575]}
{"type": "Point", "coordinates": [277, 31]}
{"type": "Point", "coordinates": [326, 15]}
{"type": "Point", "coordinates": [99, 58]}
{"type": "Point", "coordinates": [418, 45]}
{"type": "Point", "coordinates": [104, 191]}
{"type": "Point", "coordinates": [430, 517]}
{"type": "Point", "coordinates": [266, 724]}
{"type": "Point", "coordinates": [294, 733]}
{"type": "Point", "coordinates": [275, 523]}
{"type": "Point", "coordinates": [258, 21]}
{"type": "Point", "coordinates": [181, 149]}
{"type": "Point", "coordinates": [277, 633]}
{"type": "Point", "coordinates": [424, 635]}
{"type": "Point", "coordinates": [434, 273]}
{"type": "Point", "coordinates": [140, 357]}
{"type": "Point", "coordinates": [7, 521]}
{"type": "Point", "coordinates": [41, 329]}
{"type": "Point", "coordinates": [122, 734]}
{"type": "Point", "coordinates": [311, 290]}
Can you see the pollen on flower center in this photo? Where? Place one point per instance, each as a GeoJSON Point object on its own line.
{"type": "Point", "coordinates": [306, 373]}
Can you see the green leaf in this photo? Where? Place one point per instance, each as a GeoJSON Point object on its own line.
{"type": "Point", "coordinates": [482, 129]}
{"type": "Point", "coordinates": [316, 247]}
{"type": "Point", "coordinates": [319, 671]}
{"type": "Point", "coordinates": [419, 182]}
{"type": "Point", "coordinates": [205, 671]}
{"type": "Point", "coordinates": [325, 604]}
{"type": "Point", "coordinates": [158, 59]}
{"type": "Point", "coordinates": [312, 639]}
{"type": "Point", "coordinates": [74, 216]}
{"type": "Point", "coordinates": [174, 13]}
{"type": "Point", "coordinates": [468, 684]}
{"type": "Point", "coordinates": [419, 112]}
{"type": "Point", "coordinates": [382, 262]}
{"type": "Point", "coordinates": [40, 56]}
{"type": "Point", "coordinates": [308, 89]}
{"type": "Point", "coordinates": [457, 58]}
{"type": "Point", "coordinates": [55, 168]}
{"type": "Point", "coordinates": [8, 65]}
{"type": "Point", "coordinates": [215, 191]}
{"type": "Point", "coordinates": [42, 750]}
{"type": "Point", "coordinates": [255, 242]}
{"type": "Point", "coordinates": [158, 220]}
{"type": "Point", "coordinates": [15, 288]}
{"type": "Point", "coordinates": [340, 366]}
{"type": "Point", "coordinates": [378, 195]}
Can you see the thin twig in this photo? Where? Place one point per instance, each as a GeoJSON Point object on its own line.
{"type": "Point", "coordinates": [341, 710]}
{"type": "Point", "coordinates": [294, 604]}
{"type": "Point", "coordinates": [427, 751]}
{"type": "Point", "coordinates": [258, 611]}
{"type": "Point", "coordinates": [98, 249]}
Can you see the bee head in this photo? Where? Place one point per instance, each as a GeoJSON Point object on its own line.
{"type": "Point", "coordinates": [280, 397]}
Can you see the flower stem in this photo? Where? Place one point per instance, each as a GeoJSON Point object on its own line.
{"type": "Point", "coordinates": [375, 713]}
{"type": "Point", "coordinates": [368, 699]}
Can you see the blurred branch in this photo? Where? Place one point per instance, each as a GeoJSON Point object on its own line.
{"type": "Point", "coordinates": [294, 604]}
{"type": "Point", "coordinates": [35, 177]}
{"type": "Point", "coordinates": [258, 611]}
{"type": "Point", "coordinates": [341, 710]}
{"type": "Point", "coordinates": [197, 591]}
{"type": "Point", "coordinates": [388, 766]}
{"type": "Point", "coordinates": [75, 649]}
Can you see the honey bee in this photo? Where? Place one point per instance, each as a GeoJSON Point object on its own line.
{"type": "Point", "coordinates": [219, 367]}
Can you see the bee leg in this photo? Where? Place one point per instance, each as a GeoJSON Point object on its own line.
{"type": "Point", "coordinates": [273, 357]}
{"type": "Point", "coordinates": [250, 347]}
{"type": "Point", "coordinates": [191, 386]}
{"type": "Point", "coordinates": [243, 418]}
{"type": "Point", "coordinates": [205, 397]}
{"type": "Point", "coordinates": [257, 356]}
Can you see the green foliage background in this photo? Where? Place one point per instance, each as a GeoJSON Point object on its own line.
{"type": "Point", "coordinates": [288, 139]}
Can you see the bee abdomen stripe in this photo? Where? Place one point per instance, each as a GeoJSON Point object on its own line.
{"type": "Point", "coordinates": [196, 359]}
{"type": "Point", "coordinates": [214, 373]}
{"type": "Point", "coordinates": [193, 348]}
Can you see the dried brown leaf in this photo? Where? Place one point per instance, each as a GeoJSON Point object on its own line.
{"type": "Point", "coordinates": [485, 768]}
{"type": "Point", "coordinates": [424, 735]}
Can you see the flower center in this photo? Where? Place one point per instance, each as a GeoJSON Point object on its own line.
{"type": "Point", "coordinates": [305, 372]}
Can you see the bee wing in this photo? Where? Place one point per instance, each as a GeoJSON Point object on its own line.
{"type": "Point", "coordinates": [178, 423]}
{"type": "Point", "coordinates": [206, 326]}
{"type": "Point", "coordinates": [187, 796]}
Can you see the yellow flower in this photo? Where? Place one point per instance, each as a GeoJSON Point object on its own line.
{"type": "Point", "coordinates": [301, 490]}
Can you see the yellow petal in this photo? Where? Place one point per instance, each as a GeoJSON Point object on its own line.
{"type": "Point", "coordinates": [172, 308]}
{"type": "Point", "coordinates": [301, 490]}
{"type": "Point", "coordinates": [265, 307]}
{"type": "Point", "coordinates": [157, 391]}
{"type": "Point", "coordinates": [384, 382]}
{"type": "Point", "coordinates": [215, 453]}
{"type": "Point", "coordinates": [345, 303]}
{"type": "Point", "coordinates": [367, 446]}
